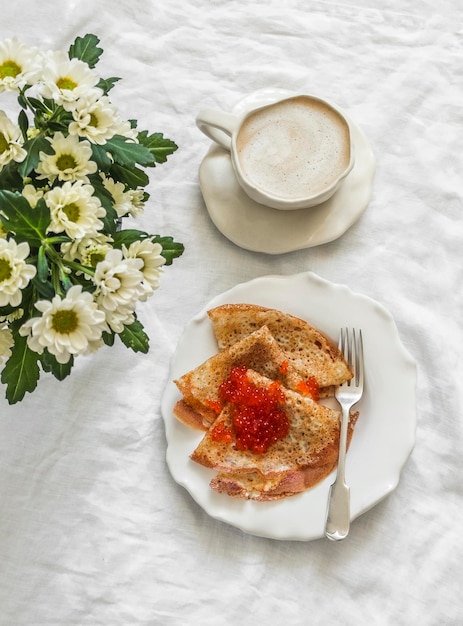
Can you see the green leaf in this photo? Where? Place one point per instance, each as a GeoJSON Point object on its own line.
{"type": "Point", "coordinates": [44, 106]}
{"type": "Point", "coordinates": [45, 289]}
{"type": "Point", "coordinates": [108, 338]}
{"type": "Point", "coordinates": [21, 372]}
{"type": "Point", "coordinates": [134, 337]}
{"type": "Point", "coordinates": [34, 147]}
{"type": "Point", "coordinates": [86, 49]}
{"type": "Point", "coordinates": [128, 153]}
{"type": "Point", "coordinates": [22, 100]}
{"type": "Point", "coordinates": [127, 237]}
{"type": "Point", "coordinates": [10, 177]}
{"type": "Point", "coordinates": [60, 123]}
{"type": "Point", "coordinates": [170, 248]}
{"type": "Point", "coordinates": [106, 84]}
{"type": "Point", "coordinates": [159, 146]}
{"type": "Point", "coordinates": [59, 370]}
{"type": "Point", "coordinates": [42, 266]}
{"type": "Point", "coordinates": [23, 123]}
{"type": "Point", "coordinates": [101, 158]}
{"type": "Point", "coordinates": [132, 177]}
{"type": "Point", "coordinates": [17, 215]}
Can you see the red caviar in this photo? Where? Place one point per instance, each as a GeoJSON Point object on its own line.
{"type": "Point", "coordinates": [258, 417]}
{"type": "Point", "coordinates": [284, 367]}
{"type": "Point", "coordinates": [215, 406]}
{"type": "Point", "coordinates": [221, 432]}
{"type": "Point", "coordinates": [309, 387]}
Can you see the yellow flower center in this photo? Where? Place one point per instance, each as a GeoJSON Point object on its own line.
{"type": "Point", "coordinates": [3, 143]}
{"type": "Point", "coordinates": [9, 69]}
{"type": "Point", "coordinates": [95, 257]}
{"type": "Point", "coordinates": [66, 162]}
{"type": "Point", "coordinates": [72, 212]}
{"type": "Point", "coordinates": [65, 322]}
{"type": "Point", "coordinates": [66, 83]}
{"type": "Point", "coordinates": [5, 270]}
{"type": "Point", "coordinates": [93, 120]}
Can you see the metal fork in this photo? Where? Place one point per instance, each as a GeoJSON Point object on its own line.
{"type": "Point", "coordinates": [347, 394]}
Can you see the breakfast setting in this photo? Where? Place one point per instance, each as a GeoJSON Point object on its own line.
{"type": "Point", "coordinates": [230, 319]}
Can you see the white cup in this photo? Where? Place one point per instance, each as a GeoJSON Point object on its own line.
{"type": "Point", "coordinates": [290, 154]}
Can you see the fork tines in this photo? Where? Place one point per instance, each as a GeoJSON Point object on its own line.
{"type": "Point", "coordinates": [351, 346]}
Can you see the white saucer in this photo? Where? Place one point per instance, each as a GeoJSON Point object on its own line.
{"type": "Point", "coordinates": [261, 229]}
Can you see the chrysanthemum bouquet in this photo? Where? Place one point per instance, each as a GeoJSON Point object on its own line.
{"type": "Point", "coordinates": [70, 169]}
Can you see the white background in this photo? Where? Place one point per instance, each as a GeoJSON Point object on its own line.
{"type": "Point", "coordinates": [93, 529]}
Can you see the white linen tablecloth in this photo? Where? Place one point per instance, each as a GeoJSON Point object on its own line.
{"type": "Point", "coordinates": [93, 529]}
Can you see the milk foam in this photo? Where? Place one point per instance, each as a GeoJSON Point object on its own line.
{"type": "Point", "coordinates": [295, 148]}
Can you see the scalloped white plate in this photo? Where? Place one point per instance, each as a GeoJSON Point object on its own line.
{"type": "Point", "coordinates": [384, 435]}
{"type": "Point", "coordinates": [255, 227]}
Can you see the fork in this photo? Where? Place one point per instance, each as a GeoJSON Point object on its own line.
{"type": "Point", "coordinates": [347, 394]}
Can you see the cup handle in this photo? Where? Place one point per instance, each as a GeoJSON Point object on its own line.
{"type": "Point", "coordinates": [218, 126]}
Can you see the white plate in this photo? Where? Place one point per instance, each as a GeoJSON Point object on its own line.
{"type": "Point", "coordinates": [261, 229]}
{"type": "Point", "coordinates": [384, 435]}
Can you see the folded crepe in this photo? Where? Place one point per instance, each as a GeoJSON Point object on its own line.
{"type": "Point", "coordinates": [294, 463]}
{"type": "Point", "coordinates": [258, 350]}
{"type": "Point", "coordinates": [311, 353]}
{"type": "Point", "coordinates": [270, 348]}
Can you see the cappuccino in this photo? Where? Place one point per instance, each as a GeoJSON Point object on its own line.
{"type": "Point", "coordinates": [295, 148]}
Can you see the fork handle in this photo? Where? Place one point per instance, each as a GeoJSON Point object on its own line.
{"type": "Point", "coordinates": [338, 517]}
{"type": "Point", "coordinates": [338, 509]}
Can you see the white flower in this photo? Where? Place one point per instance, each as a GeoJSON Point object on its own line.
{"type": "Point", "coordinates": [11, 148]}
{"type": "Point", "coordinates": [128, 202]}
{"type": "Point", "coordinates": [119, 285]}
{"type": "Point", "coordinates": [116, 320]}
{"type": "Point", "coordinates": [124, 128]}
{"type": "Point", "coordinates": [74, 209]}
{"type": "Point", "coordinates": [150, 254]}
{"type": "Point", "coordinates": [17, 65]}
{"type": "Point", "coordinates": [88, 251]}
{"type": "Point", "coordinates": [118, 280]}
{"type": "Point", "coordinates": [15, 273]}
{"type": "Point", "coordinates": [32, 194]}
{"type": "Point", "coordinates": [6, 342]}
{"type": "Point", "coordinates": [70, 161]}
{"type": "Point", "coordinates": [68, 326]}
{"type": "Point", "coordinates": [95, 118]}
{"type": "Point", "coordinates": [66, 80]}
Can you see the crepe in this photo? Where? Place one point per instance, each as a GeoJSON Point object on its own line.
{"type": "Point", "coordinates": [294, 463]}
{"type": "Point", "coordinates": [270, 348]}
{"type": "Point", "coordinates": [309, 351]}
{"type": "Point", "coordinates": [258, 350]}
